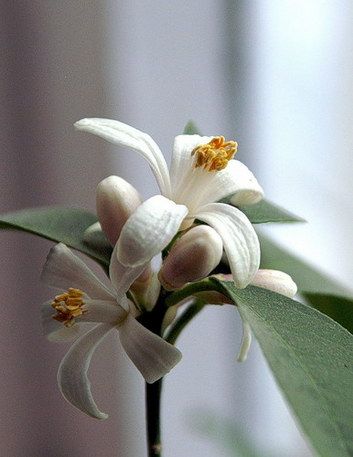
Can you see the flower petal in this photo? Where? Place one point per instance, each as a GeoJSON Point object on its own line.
{"type": "Point", "coordinates": [122, 277]}
{"type": "Point", "coordinates": [275, 280]}
{"type": "Point", "coordinates": [118, 133]}
{"type": "Point", "coordinates": [152, 356]}
{"type": "Point", "coordinates": [182, 162]}
{"type": "Point", "coordinates": [72, 375]}
{"type": "Point", "coordinates": [102, 311]}
{"type": "Point", "coordinates": [63, 269]}
{"type": "Point", "coordinates": [239, 240]}
{"type": "Point", "coordinates": [236, 180]}
{"type": "Point", "coordinates": [245, 343]}
{"type": "Point", "coordinates": [150, 228]}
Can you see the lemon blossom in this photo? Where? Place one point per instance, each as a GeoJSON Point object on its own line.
{"type": "Point", "coordinates": [88, 310]}
{"type": "Point", "coordinates": [202, 172]}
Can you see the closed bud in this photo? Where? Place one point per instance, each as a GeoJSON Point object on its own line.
{"type": "Point", "coordinates": [116, 201]}
{"type": "Point", "coordinates": [192, 257]}
{"type": "Point", "coordinates": [275, 280]}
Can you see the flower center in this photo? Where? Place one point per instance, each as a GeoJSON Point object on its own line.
{"type": "Point", "coordinates": [68, 306]}
{"type": "Point", "coordinates": [215, 155]}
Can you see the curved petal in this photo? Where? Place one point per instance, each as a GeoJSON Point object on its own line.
{"type": "Point", "coordinates": [72, 375]}
{"type": "Point", "coordinates": [245, 343]}
{"type": "Point", "coordinates": [63, 269]}
{"type": "Point", "coordinates": [119, 133]}
{"type": "Point", "coordinates": [275, 280]}
{"type": "Point", "coordinates": [151, 355]}
{"type": "Point", "coordinates": [236, 180]}
{"type": "Point", "coordinates": [149, 230]}
{"type": "Point", "coordinates": [182, 162]}
{"type": "Point", "coordinates": [122, 277]}
{"type": "Point", "coordinates": [239, 240]}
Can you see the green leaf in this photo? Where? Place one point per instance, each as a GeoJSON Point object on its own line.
{"type": "Point", "coordinates": [311, 358]}
{"type": "Point", "coordinates": [340, 309]}
{"type": "Point", "coordinates": [227, 435]}
{"type": "Point", "coordinates": [191, 129]}
{"type": "Point", "coordinates": [265, 211]}
{"type": "Point", "coordinates": [66, 225]}
{"type": "Point", "coordinates": [308, 278]}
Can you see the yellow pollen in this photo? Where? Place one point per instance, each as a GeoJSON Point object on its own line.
{"type": "Point", "coordinates": [215, 155]}
{"type": "Point", "coordinates": [68, 306]}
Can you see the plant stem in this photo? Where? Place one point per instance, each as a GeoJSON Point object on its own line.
{"type": "Point", "coordinates": [153, 411]}
{"type": "Point", "coordinates": [153, 321]}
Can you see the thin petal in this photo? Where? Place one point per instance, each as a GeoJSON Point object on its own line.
{"type": "Point", "coordinates": [152, 356]}
{"type": "Point", "coordinates": [122, 277]}
{"type": "Point", "coordinates": [182, 161]}
{"type": "Point", "coordinates": [118, 133]}
{"type": "Point", "coordinates": [63, 269]}
{"type": "Point", "coordinates": [72, 375]}
{"type": "Point", "coordinates": [240, 241]}
{"type": "Point", "coordinates": [245, 343]}
{"type": "Point", "coordinates": [149, 230]}
{"type": "Point", "coordinates": [275, 280]}
{"type": "Point", "coordinates": [102, 311]}
{"type": "Point", "coordinates": [236, 180]}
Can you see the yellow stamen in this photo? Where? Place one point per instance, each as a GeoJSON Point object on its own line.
{"type": "Point", "coordinates": [215, 155]}
{"type": "Point", "coordinates": [68, 306]}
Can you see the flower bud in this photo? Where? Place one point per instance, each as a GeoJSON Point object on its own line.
{"type": "Point", "coordinates": [192, 257]}
{"type": "Point", "coordinates": [275, 280]}
{"type": "Point", "coordinates": [116, 201]}
{"type": "Point", "coordinates": [146, 288]}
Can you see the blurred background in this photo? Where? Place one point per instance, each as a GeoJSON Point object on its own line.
{"type": "Point", "coordinates": [276, 75]}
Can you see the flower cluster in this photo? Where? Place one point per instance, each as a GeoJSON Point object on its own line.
{"type": "Point", "coordinates": [186, 221]}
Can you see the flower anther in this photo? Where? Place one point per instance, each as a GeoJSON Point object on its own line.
{"type": "Point", "coordinates": [214, 155]}
{"type": "Point", "coordinates": [68, 306]}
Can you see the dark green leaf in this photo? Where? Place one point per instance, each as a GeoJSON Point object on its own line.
{"type": "Point", "coordinates": [66, 225]}
{"type": "Point", "coordinates": [265, 211]}
{"type": "Point", "coordinates": [311, 358]}
{"type": "Point", "coordinates": [308, 278]}
{"type": "Point", "coordinates": [338, 308]}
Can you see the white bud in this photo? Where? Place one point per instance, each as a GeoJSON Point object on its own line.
{"type": "Point", "coordinates": [116, 201]}
{"type": "Point", "coordinates": [275, 280]}
{"type": "Point", "coordinates": [146, 289]}
{"type": "Point", "coordinates": [192, 257]}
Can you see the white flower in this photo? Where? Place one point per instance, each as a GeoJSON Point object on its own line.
{"type": "Point", "coordinates": [201, 174]}
{"type": "Point", "coordinates": [88, 306]}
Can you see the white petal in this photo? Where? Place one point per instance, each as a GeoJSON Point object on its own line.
{"type": "Point", "coordinates": [122, 277]}
{"type": "Point", "coordinates": [152, 356]}
{"type": "Point", "coordinates": [182, 161]}
{"type": "Point", "coordinates": [236, 180]}
{"type": "Point", "coordinates": [275, 280]}
{"type": "Point", "coordinates": [245, 343]}
{"type": "Point", "coordinates": [55, 331]}
{"type": "Point", "coordinates": [72, 375]}
{"type": "Point", "coordinates": [63, 269]}
{"type": "Point", "coordinates": [118, 133]}
{"type": "Point", "coordinates": [240, 241]}
{"type": "Point", "coordinates": [149, 230]}
{"type": "Point", "coordinates": [102, 311]}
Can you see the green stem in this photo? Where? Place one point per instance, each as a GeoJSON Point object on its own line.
{"type": "Point", "coordinates": [183, 320]}
{"type": "Point", "coordinates": [153, 321]}
{"type": "Point", "coordinates": [153, 412]}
